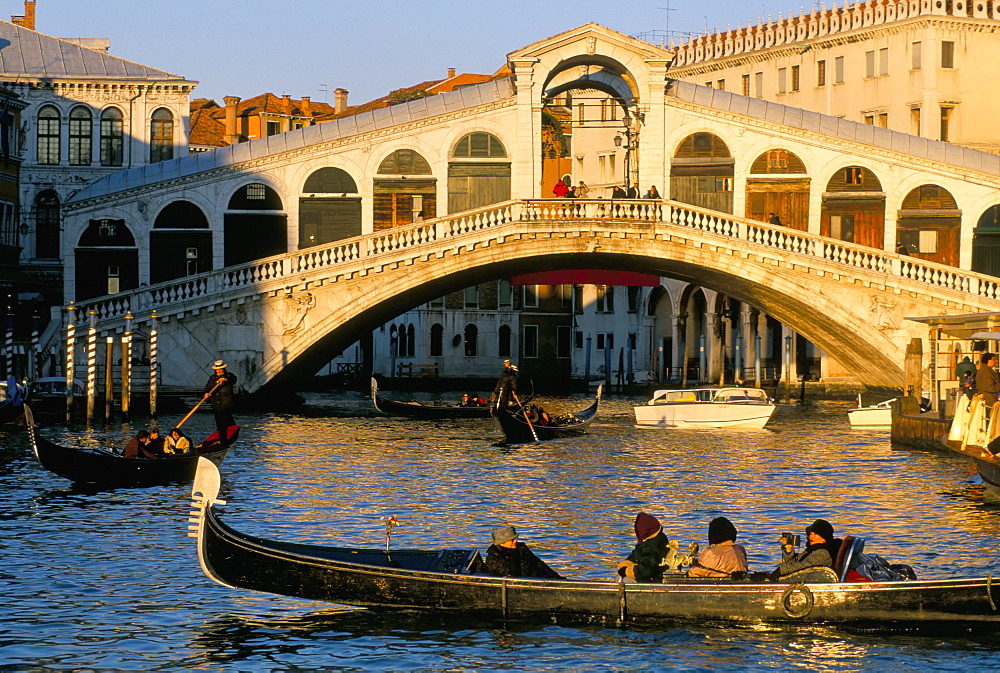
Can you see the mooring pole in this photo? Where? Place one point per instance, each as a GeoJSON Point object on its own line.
{"type": "Point", "coordinates": [152, 363]}
{"type": "Point", "coordinates": [70, 365]}
{"type": "Point", "coordinates": [33, 356]}
{"type": "Point", "coordinates": [127, 365]}
{"type": "Point", "coordinates": [109, 377]}
{"type": "Point", "coordinates": [91, 365]}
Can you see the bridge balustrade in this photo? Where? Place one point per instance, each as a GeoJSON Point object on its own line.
{"type": "Point", "coordinates": [363, 253]}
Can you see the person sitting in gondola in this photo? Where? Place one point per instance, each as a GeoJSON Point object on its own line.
{"type": "Point", "coordinates": [176, 443]}
{"type": "Point", "coordinates": [723, 557]}
{"type": "Point", "coordinates": [134, 444]}
{"type": "Point", "coordinates": [507, 557]}
{"type": "Point", "coordinates": [506, 388]}
{"type": "Point", "coordinates": [537, 415]}
{"type": "Point", "coordinates": [154, 446]}
{"type": "Point", "coordinates": [646, 562]}
{"type": "Point", "coordinates": [821, 550]}
{"type": "Point", "coordinates": [475, 400]}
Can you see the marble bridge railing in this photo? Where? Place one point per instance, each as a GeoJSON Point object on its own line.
{"type": "Point", "coordinates": [368, 253]}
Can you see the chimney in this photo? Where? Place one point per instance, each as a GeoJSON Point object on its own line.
{"type": "Point", "coordinates": [307, 108]}
{"type": "Point", "coordinates": [340, 98]}
{"type": "Point", "coordinates": [232, 137]}
{"type": "Point", "coordinates": [451, 73]}
{"type": "Point", "coordinates": [286, 104]}
{"type": "Point", "coordinates": [28, 19]}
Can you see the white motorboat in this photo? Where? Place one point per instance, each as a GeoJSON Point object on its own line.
{"type": "Point", "coordinates": [729, 407]}
{"type": "Point", "coordinates": [874, 417]}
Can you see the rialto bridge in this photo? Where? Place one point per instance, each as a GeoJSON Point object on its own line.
{"type": "Point", "coordinates": [275, 252]}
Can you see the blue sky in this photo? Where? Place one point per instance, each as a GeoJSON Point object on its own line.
{"type": "Point", "coordinates": [369, 47]}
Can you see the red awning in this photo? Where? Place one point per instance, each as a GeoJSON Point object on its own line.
{"type": "Point", "coordinates": [586, 277]}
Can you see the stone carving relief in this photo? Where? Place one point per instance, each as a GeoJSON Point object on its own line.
{"type": "Point", "coordinates": [883, 313]}
{"type": "Point", "coordinates": [296, 308]}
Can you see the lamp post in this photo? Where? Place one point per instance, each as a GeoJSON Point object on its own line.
{"type": "Point", "coordinates": [127, 366]}
{"type": "Point", "coordinates": [630, 142]}
{"type": "Point", "coordinates": [788, 367]}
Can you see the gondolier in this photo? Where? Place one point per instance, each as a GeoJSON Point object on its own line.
{"type": "Point", "coordinates": [506, 387]}
{"type": "Point", "coordinates": [220, 387]}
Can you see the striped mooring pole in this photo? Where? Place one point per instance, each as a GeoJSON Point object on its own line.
{"type": "Point", "coordinates": [70, 345]}
{"type": "Point", "coordinates": [154, 319]}
{"type": "Point", "coordinates": [91, 365]}
{"type": "Point", "coordinates": [127, 366]}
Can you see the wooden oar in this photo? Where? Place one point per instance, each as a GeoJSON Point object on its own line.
{"type": "Point", "coordinates": [200, 402]}
{"type": "Point", "coordinates": [524, 411]}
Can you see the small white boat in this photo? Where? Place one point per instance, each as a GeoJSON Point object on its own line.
{"type": "Point", "coordinates": [707, 408]}
{"type": "Point", "coordinates": [874, 417]}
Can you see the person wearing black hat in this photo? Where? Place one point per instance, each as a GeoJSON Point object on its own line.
{"type": "Point", "coordinates": [506, 388]}
{"type": "Point", "coordinates": [507, 557]}
{"type": "Point", "coordinates": [821, 550]}
{"type": "Point", "coordinates": [723, 557]}
{"type": "Point", "coordinates": [645, 564]}
{"type": "Point", "coordinates": [220, 389]}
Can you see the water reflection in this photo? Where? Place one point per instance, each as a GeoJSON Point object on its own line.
{"type": "Point", "coordinates": [107, 578]}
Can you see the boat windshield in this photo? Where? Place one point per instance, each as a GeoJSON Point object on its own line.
{"type": "Point", "coordinates": [741, 395]}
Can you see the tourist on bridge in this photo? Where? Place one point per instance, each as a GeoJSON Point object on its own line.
{"type": "Point", "coordinates": [821, 550]}
{"type": "Point", "coordinates": [652, 193]}
{"type": "Point", "coordinates": [618, 192]}
{"type": "Point", "coordinates": [774, 219]}
{"type": "Point", "coordinates": [571, 192]}
{"type": "Point", "coordinates": [724, 557]}
{"type": "Point", "coordinates": [582, 190]}
{"type": "Point", "coordinates": [633, 191]}
{"type": "Point", "coordinates": [560, 189]}
{"type": "Point", "coordinates": [220, 387]}
{"type": "Point", "coordinates": [507, 557]}
{"type": "Point", "coordinates": [987, 379]}
{"type": "Point", "coordinates": [645, 564]}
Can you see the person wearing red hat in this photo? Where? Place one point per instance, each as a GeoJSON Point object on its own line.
{"type": "Point", "coordinates": [645, 564]}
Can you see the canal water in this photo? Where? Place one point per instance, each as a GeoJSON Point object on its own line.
{"type": "Point", "coordinates": [95, 579]}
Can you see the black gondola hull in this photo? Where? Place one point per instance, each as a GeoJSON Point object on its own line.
{"type": "Point", "coordinates": [91, 466]}
{"type": "Point", "coordinates": [427, 412]}
{"type": "Point", "coordinates": [439, 581]}
{"type": "Point", "coordinates": [517, 430]}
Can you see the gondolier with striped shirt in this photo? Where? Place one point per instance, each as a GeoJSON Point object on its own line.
{"type": "Point", "coordinates": [220, 387]}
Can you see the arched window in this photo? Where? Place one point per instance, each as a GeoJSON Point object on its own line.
{"type": "Point", "coordinates": [330, 180]}
{"type": "Point", "coordinates": [437, 339]}
{"type": "Point", "coordinates": [48, 136]}
{"type": "Point", "coordinates": [255, 196]}
{"type": "Point", "coordinates": [411, 341]}
{"type": "Point", "coordinates": [702, 145]}
{"type": "Point", "coordinates": [503, 339]}
{"type": "Point", "coordinates": [471, 339]}
{"type": "Point", "coordinates": [161, 136]}
{"type": "Point", "coordinates": [404, 162]}
{"type": "Point", "coordinates": [47, 225]}
{"type": "Point", "coordinates": [777, 161]}
{"type": "Point", "coordinates": [479, 145]}
{"type": "Point", "coordinates": [112, 126]}
{"type": "Point", "coordinates": [81, 128]}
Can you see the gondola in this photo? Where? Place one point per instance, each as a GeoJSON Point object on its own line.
{"type": "Point", "coordinates": [15, 396]}
{"type": "Point", "coordinates": [449, 581]}
{"type": "Point", "coordinates": [102, 466]}
{"type": "Point", "coordinates": [426, 411]}
{"type": "Point", "coordinates": [518, 429]}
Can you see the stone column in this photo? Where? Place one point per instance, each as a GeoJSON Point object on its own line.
{"type": "Point", "coordinates": [713, 348]}
{"type": "Point", "coordinates": [527, 170]}
{"type": "Point", "coordinates": [654, 167]}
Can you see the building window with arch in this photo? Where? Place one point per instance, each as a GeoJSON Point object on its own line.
{"type": "Point", "coordinates": [479, 145]}
{"type": "Point", "coordinates": [503, 341]}
{"type": "Point", "coordinates": [81, 128]}
{"type": "Point", "coordinates": [112, 137]}
{"type": "Point", "coordinates": [48, 136]}
{"type": "Point", "coordinates": [47, 225]}
{"type": "Point", "coordinates": [471, 341]}
{"type": "Point", "coordinates": [437, 340]}
{"type": "Point", "coordinates": [161, 136]}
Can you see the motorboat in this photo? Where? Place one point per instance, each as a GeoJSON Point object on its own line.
{"type": "Point", "coordinates": [724, 407]}
{"type": "Point", "coordinates": [873, 417]}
